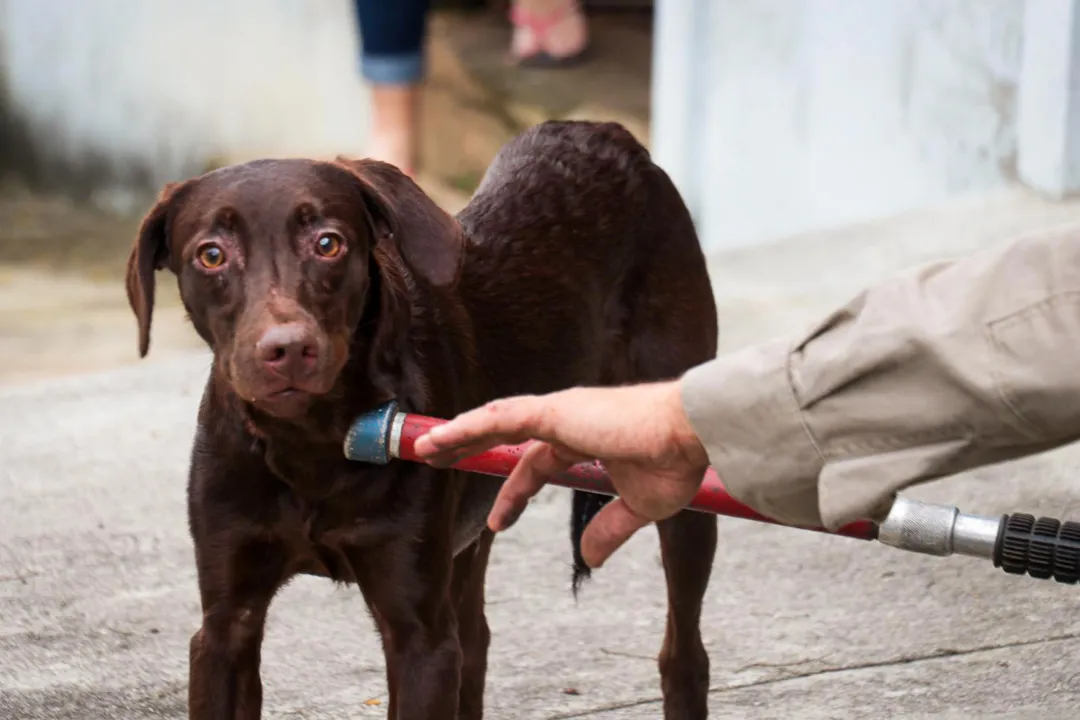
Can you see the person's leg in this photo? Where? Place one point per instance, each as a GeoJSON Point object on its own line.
{"type": "Point", "coordinates": [548, 33]}
{"type": "Point", "coordinates": [392, 61]}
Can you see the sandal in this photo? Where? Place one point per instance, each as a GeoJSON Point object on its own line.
{"type": "Point", "coordinates": [540, 26]}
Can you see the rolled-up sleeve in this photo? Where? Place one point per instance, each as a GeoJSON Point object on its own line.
{"type": "Point", "coordinates": [931, 372]}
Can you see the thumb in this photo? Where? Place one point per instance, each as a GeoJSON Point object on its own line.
{"type": "Point", "coordinates": [609, 531]}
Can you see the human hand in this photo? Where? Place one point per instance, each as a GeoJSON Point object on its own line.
{"type": "Point", "coordinates": [639, 433]}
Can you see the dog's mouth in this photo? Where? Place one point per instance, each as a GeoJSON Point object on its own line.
{"type": "Point", "coordinates": [286, 394]}
{"type": "Point", "coordinates": [286, 403]}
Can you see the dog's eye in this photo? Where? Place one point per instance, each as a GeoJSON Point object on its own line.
{"type": "Point", "coordinates": [211, 257]}
{"type": "Point", "coordinates": [329, 245]}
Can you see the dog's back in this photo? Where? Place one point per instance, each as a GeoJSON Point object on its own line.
{"type": "Point", "coordinates": [575, 236]}
{"type": "Point", "coordinates": [578, 240]}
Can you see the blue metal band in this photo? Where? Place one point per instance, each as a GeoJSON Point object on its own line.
{"type": "Point", "coordinates": [369, 436]}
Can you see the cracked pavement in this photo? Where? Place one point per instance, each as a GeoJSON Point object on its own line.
{"type": "Point", "coordinates": [98, 597]}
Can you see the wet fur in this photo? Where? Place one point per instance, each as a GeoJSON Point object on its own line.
{"type": "Point", "coordinates": [575, 263]}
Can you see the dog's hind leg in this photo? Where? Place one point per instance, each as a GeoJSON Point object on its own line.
{"type": "Point", "coordinates": [672, 327]}
{"type": "Point", "coordinates": [688, 544]}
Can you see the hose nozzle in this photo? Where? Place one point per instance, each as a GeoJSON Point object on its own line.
{"type": "Point", "coordinates": [1044, 548]}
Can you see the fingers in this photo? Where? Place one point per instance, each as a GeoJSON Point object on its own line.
{"type": "Point", "coordinates": [503, 422]}
{"type": "Point", "coordinates": [537, 464]}
{"type": "Point", "coordinates": [608, 531]}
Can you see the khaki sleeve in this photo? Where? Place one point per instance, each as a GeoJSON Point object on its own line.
{"type": "Point", "coordinates": [944, 368]}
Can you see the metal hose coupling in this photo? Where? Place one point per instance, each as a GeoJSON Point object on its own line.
{"type": "Point", "coordinates": [938, 530]}
{"type": "Point", "coordinates": [1043, 548]}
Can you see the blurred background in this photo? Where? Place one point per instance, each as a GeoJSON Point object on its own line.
{"type": "Point", "coordinates": [820, 144]}
{"type": "Point", "coordinates": [775, 117]}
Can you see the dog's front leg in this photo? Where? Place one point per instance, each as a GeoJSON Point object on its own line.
{"type": "Point", "coordinates": [423, 653]}
{"type": "Point", "coordinates": [238, 576]}
{"type": "Point", "coordinates": [407, 584]}
{"type": "Point", "coordinates": [470, 569]}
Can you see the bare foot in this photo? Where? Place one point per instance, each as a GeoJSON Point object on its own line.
{"type": "Point", "coordinates": [557, 29]}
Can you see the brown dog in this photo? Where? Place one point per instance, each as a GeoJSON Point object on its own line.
{"type": "Point", "coordinates": [326, 288]}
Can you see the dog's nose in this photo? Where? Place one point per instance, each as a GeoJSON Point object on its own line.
{"type": "Point", "coordinates": [287, 349]}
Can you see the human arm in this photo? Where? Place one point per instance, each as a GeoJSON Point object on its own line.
{"type": "Point", "coordinates": [934, 371]}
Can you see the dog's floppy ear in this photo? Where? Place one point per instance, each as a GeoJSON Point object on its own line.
{"type": "Point", "coordinates": [149, 254]}
{"type": "Point", "coordinates": [429, 241]}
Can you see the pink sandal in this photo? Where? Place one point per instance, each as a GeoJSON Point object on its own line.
{"type": "Point", "coordinates": [540, 27]}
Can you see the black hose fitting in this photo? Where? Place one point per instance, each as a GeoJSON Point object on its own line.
{"type": "Point", "coordinates": [1044, 548]}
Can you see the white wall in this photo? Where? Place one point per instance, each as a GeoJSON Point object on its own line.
{"type": "Point", "coordinates": [781, 116]}
{"type": "Point", "coordinates": [163, 86]}
{"type": "Point", "coordinates": [1048, 113]}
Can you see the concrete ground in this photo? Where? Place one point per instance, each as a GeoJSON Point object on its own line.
{"type": "Point", "coordinates": [98, 596]}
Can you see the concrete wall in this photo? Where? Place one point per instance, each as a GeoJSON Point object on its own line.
{"type": "Point", "coordinates": [782, 116]}
{"type": "Point", "coordinates": [127, 94]}
{"type": "Point", "coordinates": [1048, 115]}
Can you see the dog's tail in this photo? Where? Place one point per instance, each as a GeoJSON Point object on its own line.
{"type": "Point", "coordinates": [585, 507]}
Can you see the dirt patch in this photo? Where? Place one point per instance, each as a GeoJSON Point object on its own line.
{"type": "Point", "coordinates": [52, 233]}
{"type": "Point", "coordinates": [475, 100]}
{"type": "Point", "coordinates": [54, 324]}
{"type": "Point", "coordinates": [63, 309]}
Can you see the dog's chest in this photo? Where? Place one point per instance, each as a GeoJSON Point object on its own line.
{"type": "Point", "coordinates": [325, 540]}
{"type": "Point", "coordinates": [333, 511]}
{"type": "Point", "coordinates": [313, 473]}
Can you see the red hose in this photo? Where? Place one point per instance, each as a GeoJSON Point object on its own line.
{"type": "Point", "coordinates": [712, 497]}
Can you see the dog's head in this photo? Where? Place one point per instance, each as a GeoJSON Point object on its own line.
{"type": "Point", "coordinates": [283, 264]}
